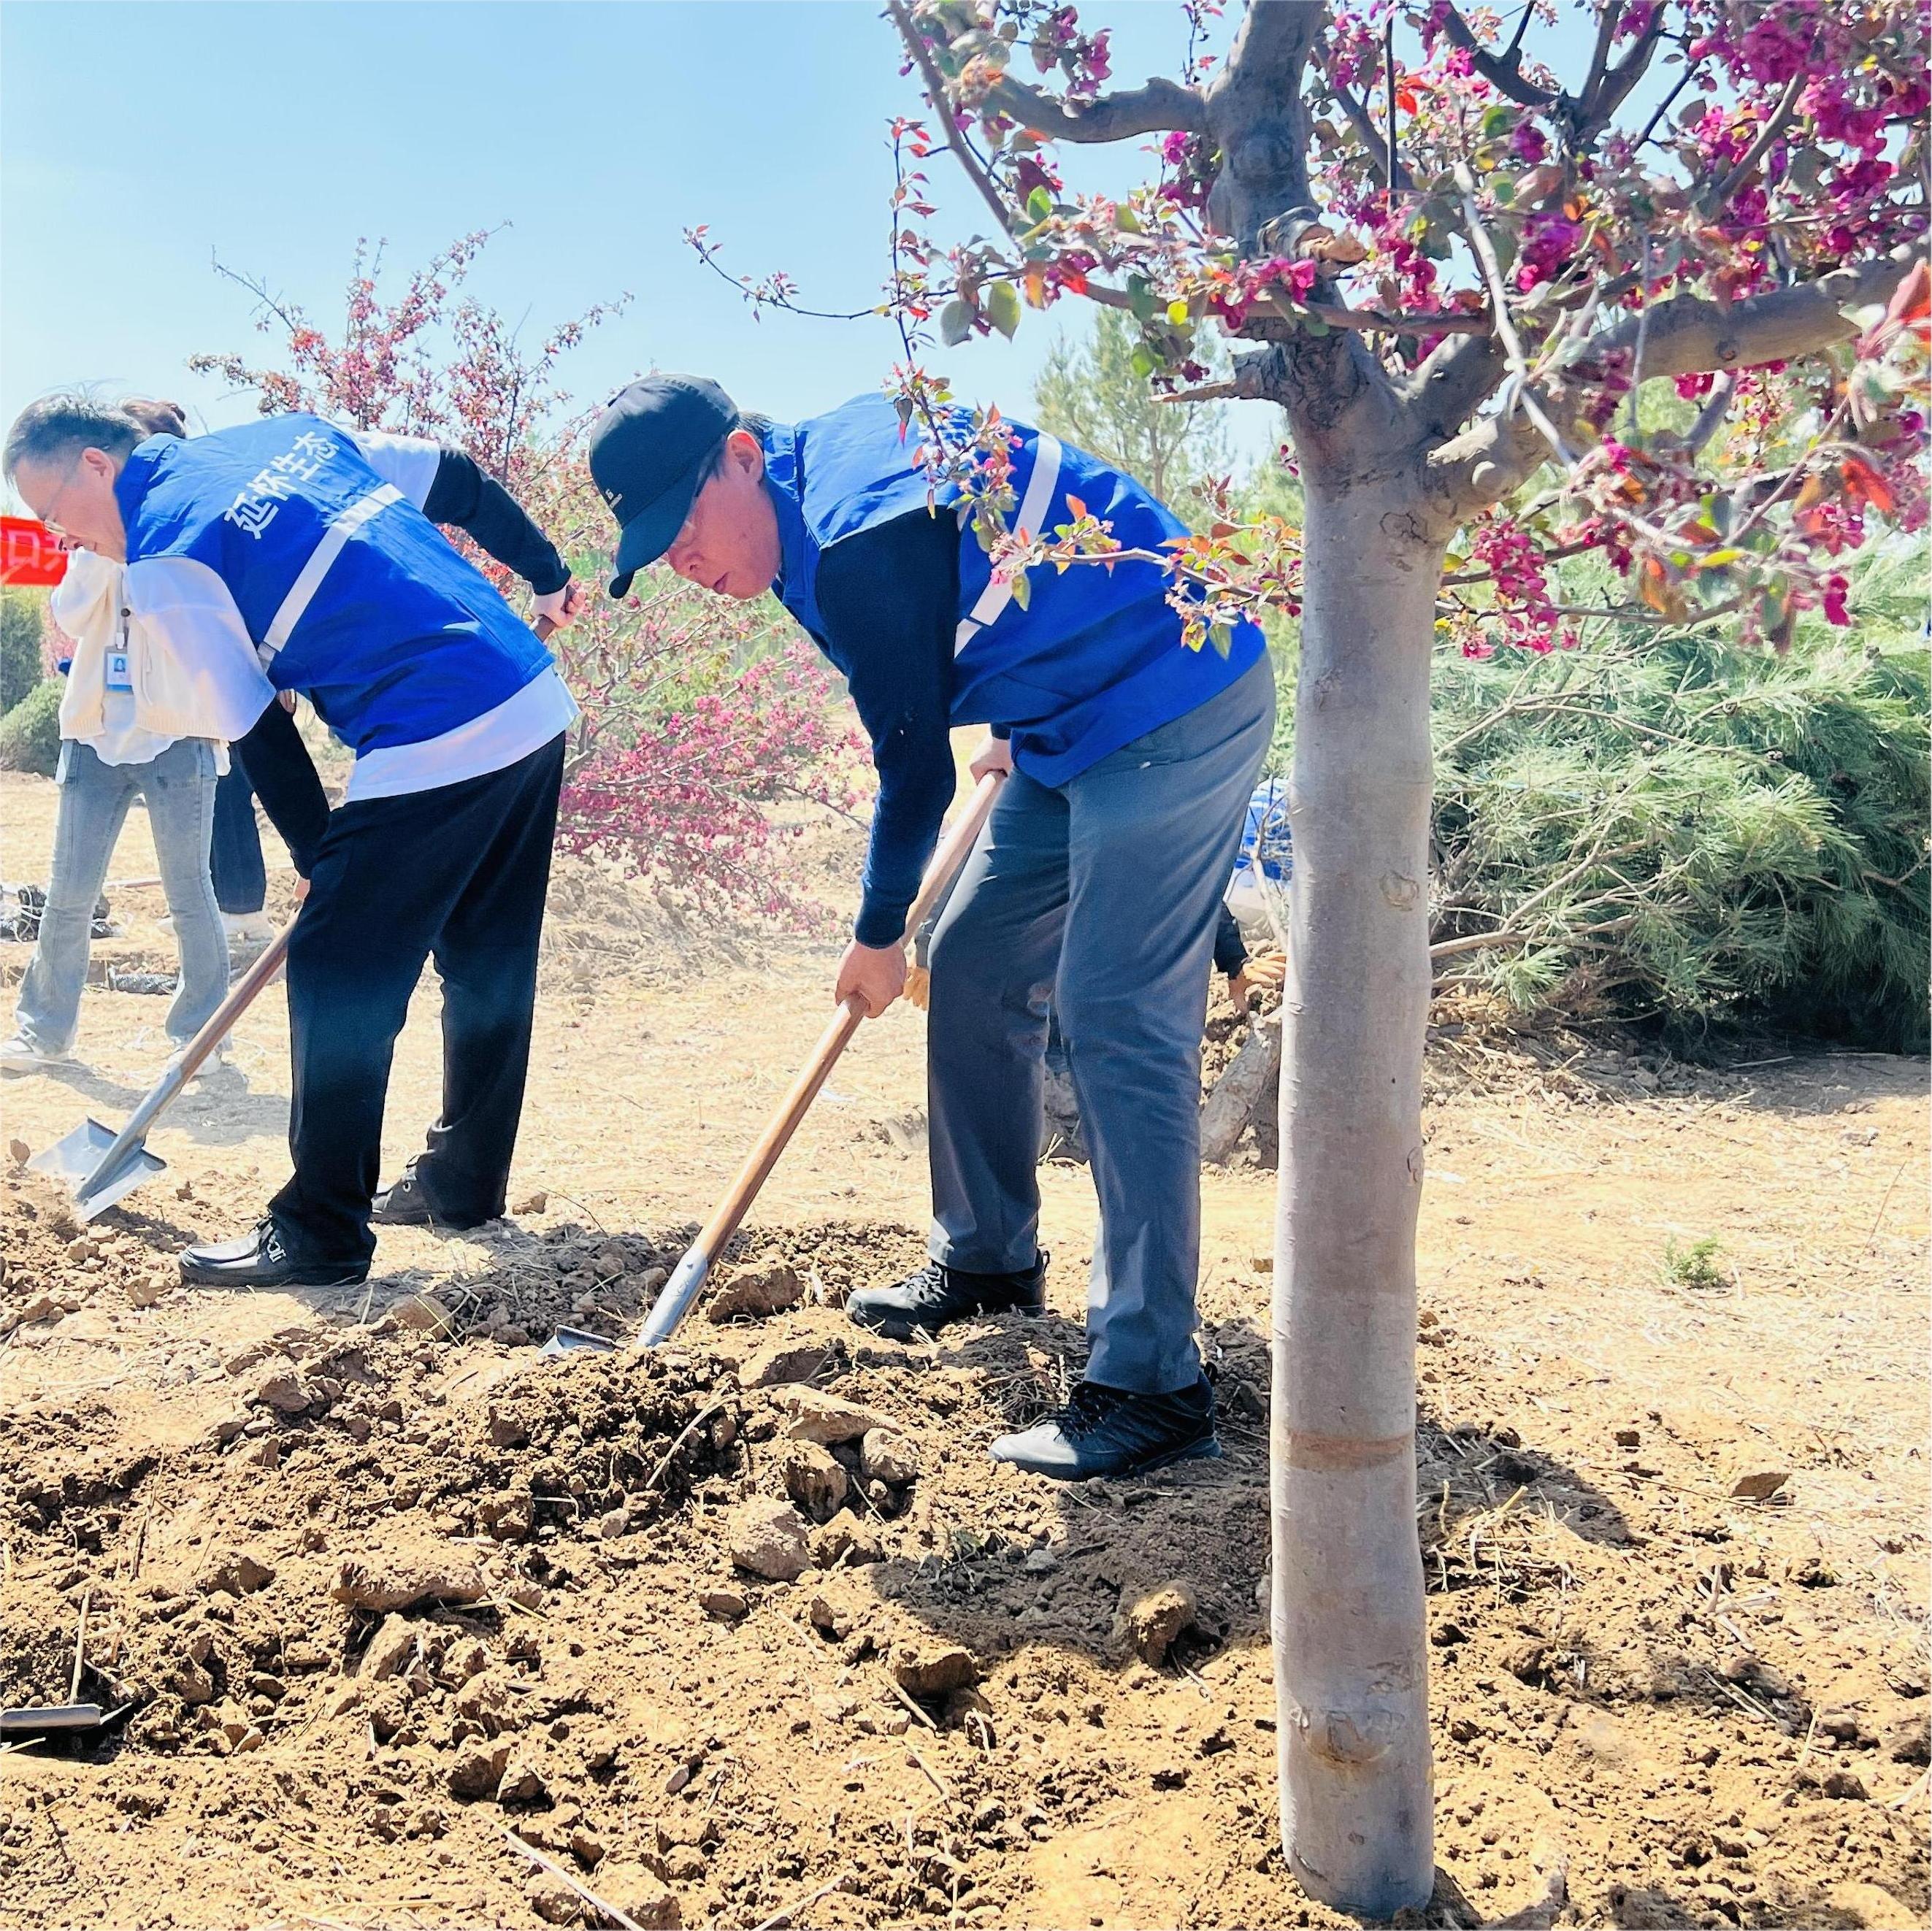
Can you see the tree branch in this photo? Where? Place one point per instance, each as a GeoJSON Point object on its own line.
{"type": "Point", "coordinates": [1358, 118]}
{"type": "Point", "coordinates": [1256, 117]}
{"type": "Point", "coordinates": [1780, 118]}
{"type": "Point", "coordinates": [1600, 57]}
{"type": "Point", "coordinates": [934, 84]}
{"type": "Point", "coordinates": [1688, 335]}
{"type": "Point", "coordinates": [1521, 394]}
{"type": "Point", "coordinates": [1598, 112]}
{"type": "Point", "coordinates": [1505, 76]}
{"type": "Point", "coordinates": [1157, 107]}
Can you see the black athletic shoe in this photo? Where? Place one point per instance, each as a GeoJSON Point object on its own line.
{"type": "Point", "coordinates": [261, 1259]}
{"type": "Point", "coordinates": [406, 1203]}
{"type": "Point", "coordinates": [1113, 1431]}
{"type": "Point", "coordinates": [403, 1202]}
{"type": "Point", "coordinates": [924, 1302]}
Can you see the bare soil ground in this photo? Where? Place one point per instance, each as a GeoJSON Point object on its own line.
{"type": "Point", "coordinates": [375, 1592]}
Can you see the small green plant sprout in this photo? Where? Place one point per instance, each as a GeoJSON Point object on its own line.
{"type": "Point", "coordinates": [1696, 1266]}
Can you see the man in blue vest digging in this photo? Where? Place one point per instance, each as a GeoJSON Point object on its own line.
{"type": "Point", "coordinates": [1094, 888]}
{"type": "Point", "coordinates": [292, 554]}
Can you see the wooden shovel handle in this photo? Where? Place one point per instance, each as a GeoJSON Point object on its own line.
{"type": "Point", "coordinates": [958, 841]}
{"type": "Point", "coordinates": [240, 996]}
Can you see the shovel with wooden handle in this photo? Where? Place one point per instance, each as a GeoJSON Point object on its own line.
{"type": "Point", "coordinates": [103, 1166]}
{"type": "Point", "coordinates": [687, 1281]}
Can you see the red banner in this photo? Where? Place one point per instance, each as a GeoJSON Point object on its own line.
{"type": "Point", "coordinates": [30, 552]}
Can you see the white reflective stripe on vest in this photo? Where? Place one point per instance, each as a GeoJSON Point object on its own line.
{"type": "Point", "coordinates": [1033, 505]}
{"type": "Point", "coordinates": [342, 526]}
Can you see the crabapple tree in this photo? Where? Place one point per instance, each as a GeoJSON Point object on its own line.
{"type": "Point", "coordinates": [1463, 249]}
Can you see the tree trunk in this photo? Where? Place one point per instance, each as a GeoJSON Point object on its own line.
{"type": "Point", "coordinates": [1350, 1659]}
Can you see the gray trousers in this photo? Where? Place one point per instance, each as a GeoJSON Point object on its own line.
{"type": "Point", "coordinates": [1098, 895]}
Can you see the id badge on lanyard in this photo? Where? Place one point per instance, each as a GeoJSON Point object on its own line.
{"type": "Point", "coordinates": [120, 678]}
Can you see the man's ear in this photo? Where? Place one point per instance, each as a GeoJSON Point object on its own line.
{"type": "Point", "coordinates": [747, 453]}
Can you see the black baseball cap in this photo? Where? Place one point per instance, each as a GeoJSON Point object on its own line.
{"type": "Point", "coordinates": [646, 451]}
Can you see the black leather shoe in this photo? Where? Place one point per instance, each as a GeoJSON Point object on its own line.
{"type": "Point", "coordinates": [924, 1302]}
{"type": "Point", "coordinates": [261, 1259]}
{"type": "Point", "coordinates": [1113, 1431]}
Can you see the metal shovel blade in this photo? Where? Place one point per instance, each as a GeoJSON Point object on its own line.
{"type": "Point", "coordinates": [77, 1159]}
{"type": "Point", "coordinates": [575, 1340]}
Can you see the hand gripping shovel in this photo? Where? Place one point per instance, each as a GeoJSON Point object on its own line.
{"type": "Point", "coordinates": [687, 1282]}
{"type": "Point", "coordinates": [101, 1165]}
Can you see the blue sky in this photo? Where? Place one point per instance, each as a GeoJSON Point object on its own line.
{"type": "Point", "coordinates": [140, 142]}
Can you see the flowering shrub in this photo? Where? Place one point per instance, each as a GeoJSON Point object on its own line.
{"type": "Point", "coordinates": [698, 715]}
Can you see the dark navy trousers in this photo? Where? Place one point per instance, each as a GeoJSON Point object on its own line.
{"type": "Point", "coordinates": [1099, 897]}
{"type": "Point", "coordinates": [458, 874]}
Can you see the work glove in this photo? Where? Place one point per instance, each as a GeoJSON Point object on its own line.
{"type": "Point", "coordinates": [1267, 969]}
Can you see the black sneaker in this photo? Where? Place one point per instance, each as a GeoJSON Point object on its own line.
{"type": "Point", "coordinates": [1105, 1430]}
{"type": "Point", "coordinates": [261, 1259]}
{"type": "Point", "coordinates": [403, 1203]}
{"type": "Point", "coordinates": [924, 1302]}
{"type": "Point", "coordinates": [406, 1203]}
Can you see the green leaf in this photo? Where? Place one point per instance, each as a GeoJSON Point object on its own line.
{"type": "Point", "coordinates": [1497, 122]}
{"type": "Point", "coordinates": [1143, 363]}
{"type": "Point", "coordinates": [1039, 205]}
{"type": "Point", "coordinates": [955, 323]}
{"type": "Point", "coordinates": [1022, 588]}
{"type": "Point", "coordinates": [1003, 308]}
{"type": "Point", "coordinates": [1221, 635]}
{"type": "Point", "coordinates": [1141, 299]}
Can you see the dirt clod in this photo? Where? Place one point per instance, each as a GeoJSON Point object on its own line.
{"type": "Point", "coordinates": [477, 1770]}
{"type": "Point", "coordinates": [887, 1457]}
{"type": "Point", "coordinates": [552, 1900]}
{"type": "Point", "coordinates": [846, 1541]}
{"type": "Point", "coordinates": [1154, 1618]}
{"type": "Point", "coordinates": [389, 1648]}
{"type": "Point", "coordinates": [812, 1415]}
{"type": "Point", "coordinates": [928, 1668]}
{"type": "Point", "coordinates": [383, 1580]}
{"type": "Point", "coordinates": [813, 1479]}
{"type": "Point", "coordinates": [769, 1539]}
{"type": "Point", "coordinates": [641, 1895]}
{"type": "Point", "coordinates": [781, 1361]}
{"type": "Point", "coordinates": [756, 1293]}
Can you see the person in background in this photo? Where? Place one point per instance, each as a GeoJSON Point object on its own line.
{"type": "Point", "coordinates": [1246, 973]}
{"type": "Point", "coordinates": [126, 732]}
{"type": "Point", "coordinates": [293, 554]}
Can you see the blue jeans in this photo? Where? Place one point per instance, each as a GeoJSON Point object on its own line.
{"type": "Point", "coordinates": [1098, 896]}
{"type": "Point", "coordinates": [179, 788]}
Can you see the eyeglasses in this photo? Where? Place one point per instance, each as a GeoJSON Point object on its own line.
{"type": "Point", "coordinates": [50, 515]}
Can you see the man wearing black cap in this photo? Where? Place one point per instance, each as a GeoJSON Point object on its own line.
{"type": "Point", "coordinates": [1094, 887]}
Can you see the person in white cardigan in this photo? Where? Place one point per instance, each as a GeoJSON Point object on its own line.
{"type": "Point", "coordinates": [127, 721]}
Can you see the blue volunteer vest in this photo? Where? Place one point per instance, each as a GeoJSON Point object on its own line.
{"type": "Point", "coordinates": [349, 593]}
{"type": "Point", "coordinates": [1094, 660]}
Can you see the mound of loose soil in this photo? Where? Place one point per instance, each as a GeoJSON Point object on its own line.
{"type": "Point", "coordinates": [53, 1265]}
{"type": "Point", "coordinates": [714, 1628]}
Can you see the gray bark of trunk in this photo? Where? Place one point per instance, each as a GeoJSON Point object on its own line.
{"type": "Point", "coordinates": [1350, 1659]}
